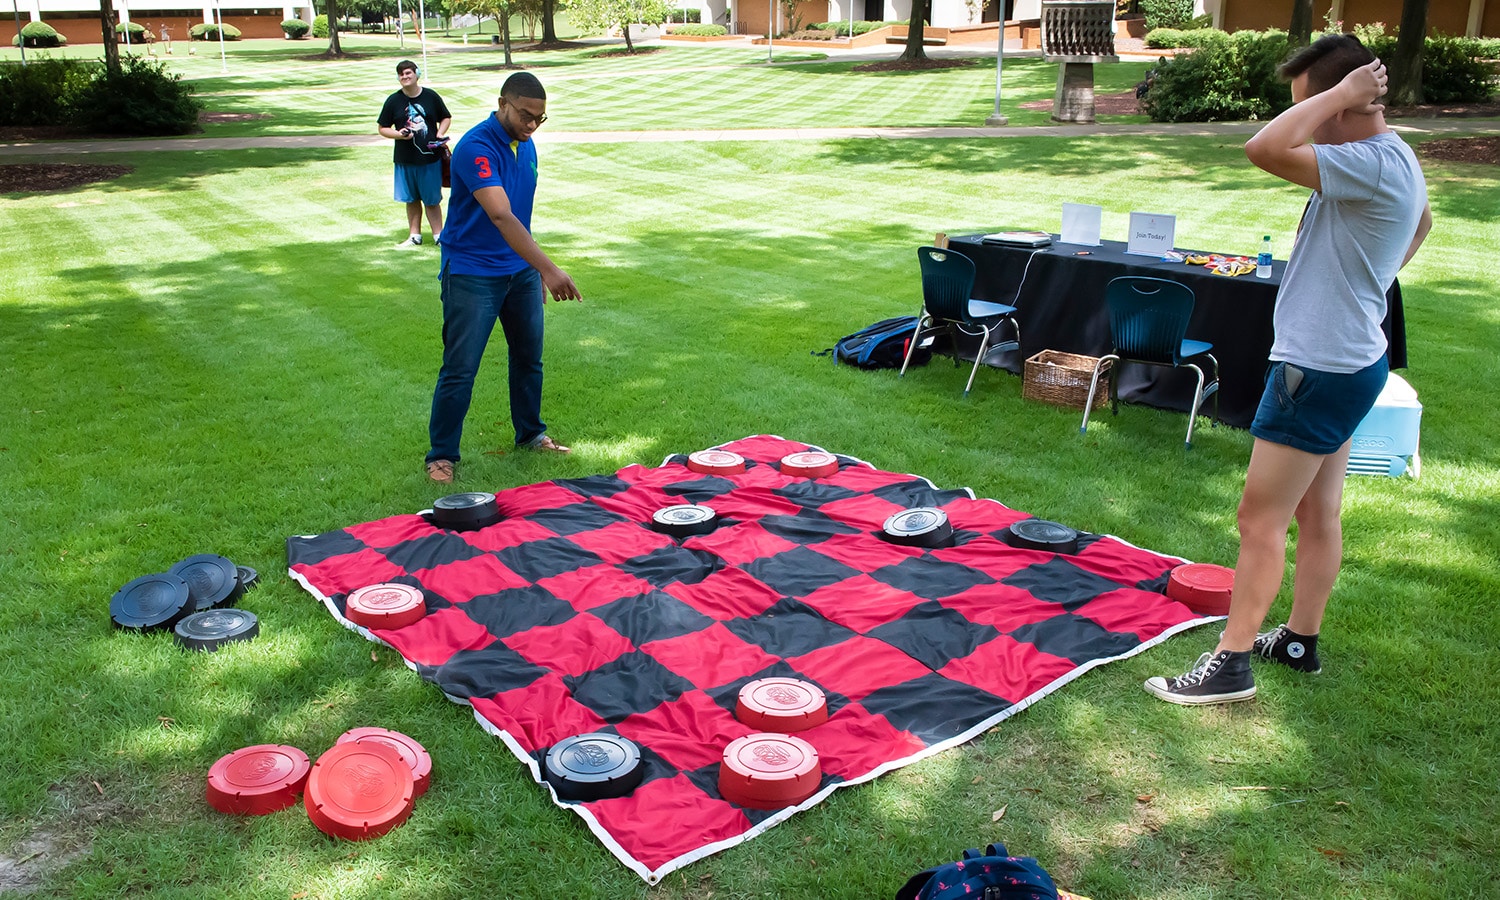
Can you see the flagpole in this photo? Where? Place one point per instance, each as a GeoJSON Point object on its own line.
{"type": "Point", "coordinates": [999, 118]}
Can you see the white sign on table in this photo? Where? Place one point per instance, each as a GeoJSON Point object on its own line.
{"type": "Point", "coordinates": [1081, 223]}
{"type": "Point", "coordinates": [1151, 234]}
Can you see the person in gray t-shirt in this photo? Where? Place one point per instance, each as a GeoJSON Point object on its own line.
{"type": "Point", "coordinates": [1366, 218]}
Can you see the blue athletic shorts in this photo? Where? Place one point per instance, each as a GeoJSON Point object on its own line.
{"type": "Point", "coordinates": [1320, 415]}
{"type": "Point", "coordinates": [424, 183]}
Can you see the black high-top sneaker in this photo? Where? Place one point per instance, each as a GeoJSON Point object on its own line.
{"type": "Point", "coordinates": [1217, 678]}
{"type": "Point", "coordinates": [1283, 645]}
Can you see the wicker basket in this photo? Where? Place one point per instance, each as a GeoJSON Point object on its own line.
{"type": "Point", "coordinates": [1062, 379]}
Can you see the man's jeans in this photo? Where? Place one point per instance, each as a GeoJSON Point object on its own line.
{"type": "Point", "coordinates": [471, 306]}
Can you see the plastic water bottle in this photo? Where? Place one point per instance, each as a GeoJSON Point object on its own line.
{"type": "Point", "coordinates": [1263, 262]}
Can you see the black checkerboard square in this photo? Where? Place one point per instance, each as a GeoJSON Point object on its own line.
{"type": "Point", "coordinates": [596, 485]}
{"type": "Point", "coordinates": [430, 552]}
{"type": "Point", "coordinates": [813, 494]}
{"type": "Point", "coordinates": [578, 517]}
{"type": "Point", "coordinates": [313, 549]}
{"type": "Point", "coordinates": [932, 707]}
{"type": "Point", "coordinates": [934, 635]}
{"type": "Point", "coordinates": [700, 490]}
{"type": "Point", "coordinates": [917, 492]}
{"type": "Point", "coordinates": [799, 571]}
{"type": "Point", "coordinates": [1075, 638]}
{"type": "Point", "coordinates": [535, 560]}
{"type": "Point", "coordinates": [633, 683]}
{"type": "Point", "coordinates": [1059, 581]}
{"type": "Point", "coordinates": [651, 617]}
{"type": "Point", "coordinates": [672, 565]}
{"type": "Point", "coordinates": [930, 577]}
{"type": "Point", "coordinates": [511, 611]}
{"type": "Point", "coordinates": [807, 527]}
{"type": "Point", "coordinates": [482, 673]}
{"type": "Point", "coordinates": [790, 628]}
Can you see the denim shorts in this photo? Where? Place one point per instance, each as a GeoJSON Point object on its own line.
{"type": "Point", "coordinates": [1322, 413]}
{"type": "Point", "coordinates": [424, 183]}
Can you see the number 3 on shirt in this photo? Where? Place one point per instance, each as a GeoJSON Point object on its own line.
{"type": "Point", "coordinates": [482, 163]}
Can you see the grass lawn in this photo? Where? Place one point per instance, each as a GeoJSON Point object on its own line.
{"type": "Point", "coordinates": [223, 349]}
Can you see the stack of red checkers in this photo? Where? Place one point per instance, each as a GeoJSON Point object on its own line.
{"type": "Point", "coordinates": [769, 771]}
{"type": "Point", "coordinates": [809, 464]}
{"type": "Point", "coordinates": [716, 462]}
{"type": "Point", "coordinates": [783, 705]}
{"type": "Point", "coordinates": [389, 606]}
{"type": "Point", "coordinates": [360, 790]}
{"type": "Point", "coordinates": [254, 781]}
{"type": "Point", "coordinates": [1202, 587]}
{"type": "Point", "coordinates": [414, 754]}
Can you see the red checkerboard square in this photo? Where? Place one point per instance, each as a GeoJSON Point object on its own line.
{"type": "Point", "coordinates": [529, 498]}
{"type": "Point", "coordinates": [861, 603]}
{"type": "Point", "coordinates": [711, 657]}
{"type": "Point", "coordinates": [455, 581]}
{"type": "Point", "coordinates": [689, 733]}
{"type": "Point", "coordinates": [854, 742]}
{"type": "Point", "coordinates": [433, 639]}
{"type": "Point", "coordinates": [579, 645]}
{"type": "Point", "coordinates": [538, 715]}
{"type": "Point", "coordinates": [507, 533]}
{"type": "Point", "coordinates": [726, 594]}
{"type": "Point", "coordinates": [594, 586]}
{"type": "Point", "coordinates": [740, 544]}
{"type": "Point", "coordinates": [858, 666]}
{"type": "Point", "coordinates": [1006, 608]}
{"type": "Point", "coordinates": [349, 572]}
{"type": "Point", "coordinates": [1118, 561]}
{"type": "Point", "coordinates": [1132, 611]}
{"type": "Point", "coordinates": [1008, 668]}
{"type": "Point", "coordinates": [392, 531]}
{"type": "Point", "coordinates": [649, 818]}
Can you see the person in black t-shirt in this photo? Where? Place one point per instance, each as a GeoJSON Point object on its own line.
{"type": "Point", "coordinates": [416, 118]}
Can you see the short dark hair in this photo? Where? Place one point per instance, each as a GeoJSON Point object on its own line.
{"type": "Point", "coordinates": [523, 85]}
{"type": "Point", "coordinates": [1327, 60]}
{"type": "Point", "coordinates": [405, 64]}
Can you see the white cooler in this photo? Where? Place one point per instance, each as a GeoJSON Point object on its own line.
{"type": "Point", "coordinates": [1389, 434]}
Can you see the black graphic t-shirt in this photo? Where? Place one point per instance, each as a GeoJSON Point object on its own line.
{"type": "Point", "coordinates": [421, 114]}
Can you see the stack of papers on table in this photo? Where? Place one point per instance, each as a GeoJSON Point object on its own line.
{"type": "Point", "coordinates": [1019, 238]}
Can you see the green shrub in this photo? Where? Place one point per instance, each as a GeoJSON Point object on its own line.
{"type": "Point", "coordinates": [1228, 78]}
{"type": "Point", "coordinates": [139, 34]}
{"type": "Point", "coordinates": [701, 30]}
{"type": "Point", "coordinates": [143, 98]}
{"type": "Point", "coordinates": [42, 92]}
{"type": "Point", "coordinates": [1453, 71]}
{"type": "Point", "coordinates": [209, 31]}
{"type": "Point", "coordinates": [1167, 13]}
{"type": "Point", "coordinates": [294, 29]}
{"type": "Point", "coordinates": [38, 34]}
{"type": "Point", "coordinates": [1489, 48]}
{"type": "Point", "coordinates": [692, 15]}
{"type": "Point", "coordinates": [320, 27]}
{"type": "Point", "coordinates": [1163, 38]}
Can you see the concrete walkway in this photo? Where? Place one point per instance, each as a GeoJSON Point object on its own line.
{"type": "Point", "coordinates": [325, 141]}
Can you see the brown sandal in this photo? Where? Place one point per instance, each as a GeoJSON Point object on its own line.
{"type": "Point", "coordinates": [441, 471]}
{"type": "Point", "coordinates": [547, 444]}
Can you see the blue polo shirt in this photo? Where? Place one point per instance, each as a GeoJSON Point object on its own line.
{"type": "Point", "coordinates": [487, 156]}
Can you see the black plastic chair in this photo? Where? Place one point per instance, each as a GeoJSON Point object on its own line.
{"type": "Point", "coordinates": [1148, 320]}
{"type": "Point", "coordinates": [947, 282]}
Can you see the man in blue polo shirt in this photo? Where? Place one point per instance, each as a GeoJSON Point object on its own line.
{"type": "Point", "coordinates": [493, 270]}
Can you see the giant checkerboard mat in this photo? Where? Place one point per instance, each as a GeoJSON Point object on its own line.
{"type": "Point", "coordinates": [572, 615]}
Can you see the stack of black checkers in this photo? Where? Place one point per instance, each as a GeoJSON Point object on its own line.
{"type": "Point", "coordinates": [195, 598]}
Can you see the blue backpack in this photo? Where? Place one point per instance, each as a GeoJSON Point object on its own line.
{"type": "Point", "coordinates": [880, 346]}
{"type": "Point", "coordinates": [989, 875]}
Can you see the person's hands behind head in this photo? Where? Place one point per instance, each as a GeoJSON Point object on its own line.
{"type": "Point", "coordinates": [1363, 87]}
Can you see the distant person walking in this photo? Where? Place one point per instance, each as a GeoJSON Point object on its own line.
{"type": "Point", "coordinates": [493, 270]}
{"type": "Point", "coordinates": [415, 118]}
{"type": "Point", "coordinates": [1367, 216]}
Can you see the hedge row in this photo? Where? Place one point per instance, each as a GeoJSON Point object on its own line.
{"type": "Point", "coordinates": [842, 28]}
{"type": "Point", "coordinates": [701, 30]}
{"type": "Point", "coordinates": [209, 31]}
{"type": "Point", "coordinates": [38, 34]}
{"type": "Point", "coordinates": [1232, 77]}
{"type": "Point", "coordinates": [140, 99]}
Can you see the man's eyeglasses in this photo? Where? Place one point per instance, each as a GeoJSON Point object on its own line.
{"type": "Point", "coordinates": [527, 118]}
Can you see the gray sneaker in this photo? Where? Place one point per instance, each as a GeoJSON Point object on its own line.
{"type": "Point", "coordinates": [1283, 645]}
{"type": "Point", "coordinates": [1221, 678]}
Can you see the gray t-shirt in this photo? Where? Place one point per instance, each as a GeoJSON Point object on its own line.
{"type": "Point", "coordinates": [1348, 248]}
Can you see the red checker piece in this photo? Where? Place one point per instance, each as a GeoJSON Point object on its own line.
{"type": "Point", "coordinates": [809, 464]}
{"type": "Point", "coordinates": [1202, 587]}
{"type": "Point", "coordinates": [769, 771]}
{"type": "Point", "coordinates": [386, 605]}
{"type": "Point", "coordinates": [716, 462]}
{"type": "Point", "coordinates": [359, 790]}
{"type": "Point", "coordinates": [413, 753]}
{"type": "Point", "coordinates": [254, 781]}
{"type": "Point", "coordinates": [782, 705]}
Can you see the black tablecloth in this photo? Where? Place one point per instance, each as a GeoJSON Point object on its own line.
{"type": "Point", "coordinates": [1061, 307]}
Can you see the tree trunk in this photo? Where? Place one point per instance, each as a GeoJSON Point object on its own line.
{"type": "Point", "coordinates": [1405, 64]}
{"type": "Point", "coordinates": [549, 30]}
{"type": "Point", "coordinates": [1299, 32]}
{"type": "Point", "coordinates": [504, 23]}
{"type": "Point", "coordinates": [914, 48]}
{"type": "Point", "coordinates": [629, 46]}
{"type": "Point", "coordinates": [111, 47]}
{"type": "Point", "coordinates": [333, 29]}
